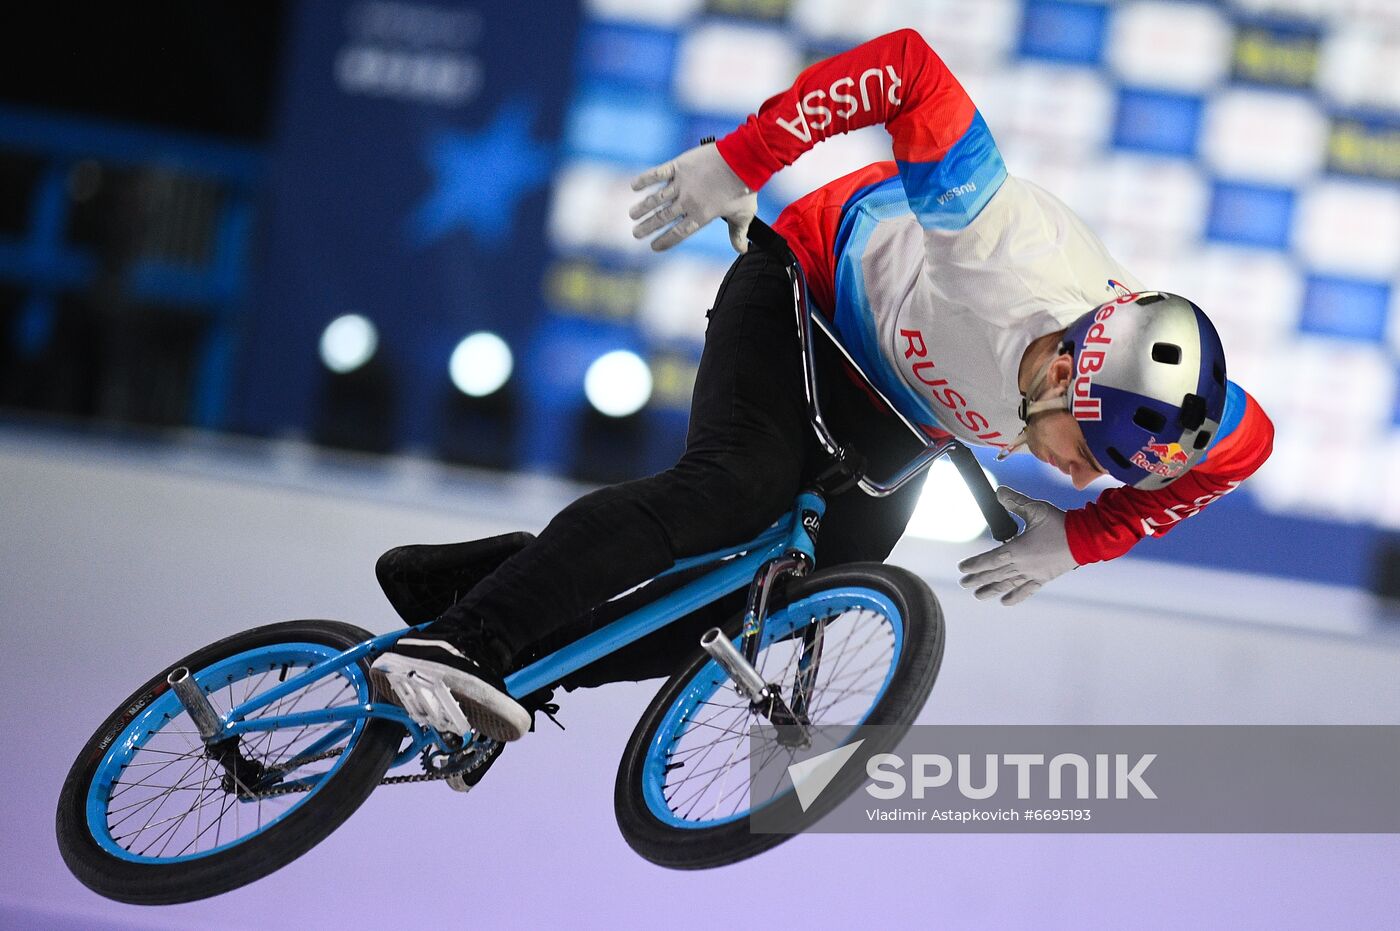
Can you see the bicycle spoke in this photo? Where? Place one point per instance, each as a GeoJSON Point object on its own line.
{"type": "Point", "coordinates": [702, 790]}
{"type": "Point", "coordinates": [269, 757]}
{"type": "Point", "coordinates": [709, 748]}
{"type": "Point", "coordinates": [692, 773]}
{"type": "Point", "coordinates": [717, 714]}
{"type": "Point", "coordinates": [726, 730]}
{"type": "Point", "coordinates": [257, 747]}
{"type": "Point", "coordinates": [166, 752]}
{"type": "Point", "coordinates": [207, 797]}
{"type": "Point", "coordinates": [164, 796]}
{"type": "Point", "coordinates": [253, 687]}
{"type": "Point", "coordinates": [217, 820]}
{"type": "Point", "coordinates": [713, 745]}
{"type": "Point", "coordinates": [192, 787]}
{"type": "Point", "coordinates": [275, 757]}
{"type": "Point", "coordinates": [169, 798]}
{"type": "Point", "coordinates": [199, 813]}
{"type": "Point", "coordinates": [127, 786]}
{"type": "Point", "coordinates": [846, 652]}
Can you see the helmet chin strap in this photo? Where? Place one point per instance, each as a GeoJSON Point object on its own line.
{"type": "Point", "coordinates": [1029, 409]}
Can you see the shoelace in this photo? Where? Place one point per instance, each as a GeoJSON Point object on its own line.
{"type": "Point", "coordinates": [550, 709]}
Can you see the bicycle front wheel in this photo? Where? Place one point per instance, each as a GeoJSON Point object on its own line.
{"type": "Point", "coordinates": [683, 797]}
{"type": "Point", "coordinates": [145, 816]}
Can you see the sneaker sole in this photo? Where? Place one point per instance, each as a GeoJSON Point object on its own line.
{"type": "Point", "coordinates": [439, 696]}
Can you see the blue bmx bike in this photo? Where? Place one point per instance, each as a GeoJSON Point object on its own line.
{"type": "Point", "coordinates": [242, 756]}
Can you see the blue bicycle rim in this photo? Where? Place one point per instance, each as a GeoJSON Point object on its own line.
{"type": "Point", "coordinates": [135, 736]}
{"type": "Point", "coordinates": [711, 678]}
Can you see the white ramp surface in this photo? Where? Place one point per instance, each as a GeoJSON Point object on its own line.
{"type": "Point", "coordinates": [119, 558]}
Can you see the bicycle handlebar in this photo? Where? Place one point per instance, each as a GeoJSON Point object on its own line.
{"type": "Point", "coordinates": [999, 520]}
{"type": "Point", "coordinates": [1001, 524]}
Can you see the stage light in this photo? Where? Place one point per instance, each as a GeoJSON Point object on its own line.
{"type": "Point", "coordinates": [618, 383]}
{"type": "Point", "coordinates": [946, 509]}
{"type": "Point", "coordinates": [481, 364]}
{"type": "Point", "coordinates": [348, 343]}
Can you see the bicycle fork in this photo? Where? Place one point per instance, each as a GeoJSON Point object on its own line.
{"type": "Point", "coordinates": [790, 719]}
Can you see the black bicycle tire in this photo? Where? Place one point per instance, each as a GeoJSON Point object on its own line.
{"type": "Point", "coordinates": [266, 852]}
{"type": "Point", "coordinates": [913, 680]}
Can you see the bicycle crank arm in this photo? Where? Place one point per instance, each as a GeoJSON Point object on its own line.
{"type": "Point", "coordinates": [792, 729]}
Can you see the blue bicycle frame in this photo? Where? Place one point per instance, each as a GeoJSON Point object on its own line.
{"type": "Point", "coordinates": [787, 546]}
{"type": "Point", "coordinates": [790, 538]}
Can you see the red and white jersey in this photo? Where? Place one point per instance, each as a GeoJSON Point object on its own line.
{"type": "Point", "coordinates": [938, 269]}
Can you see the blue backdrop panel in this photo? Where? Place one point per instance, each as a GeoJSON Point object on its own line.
{"type": "Point", "coordinates": [409, 183]}
{"type": "Point", "coordinates": [1060, 31]}
{"type": "Point", "coordinates": [1346, 308]}
{"type": "Point", "coordinates": [1158, 122]}
{"type": "Point", "coordinates": [1250, 214]}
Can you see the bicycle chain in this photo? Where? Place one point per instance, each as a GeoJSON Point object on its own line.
{"type": "Point", "coordinates": [385, 781]}
{"type": "Point", "coordinates": [292, 790]}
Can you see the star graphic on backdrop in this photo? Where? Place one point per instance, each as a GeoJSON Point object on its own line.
{"type": "Point", "coordinates": [481, 175]}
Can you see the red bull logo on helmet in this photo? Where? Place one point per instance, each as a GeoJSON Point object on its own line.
{"type": "Point", "coordinates": [1165, 459]}
{"type": "Point", "coordinates": [1083, 405]}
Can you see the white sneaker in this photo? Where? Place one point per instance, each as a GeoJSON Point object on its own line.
{"type": "Point", "coordinates": [442, 687]}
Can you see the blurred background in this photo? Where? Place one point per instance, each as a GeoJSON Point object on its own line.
{"type": "Point", "coordinates": [285, 284]}
{"type": "Point", "coordinates": [401, 227]}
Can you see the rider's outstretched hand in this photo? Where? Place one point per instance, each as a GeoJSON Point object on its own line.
{"type": "Point", "coordinates": [698, 186]}
{"type": "Point", "coordinates": [1019, 567]}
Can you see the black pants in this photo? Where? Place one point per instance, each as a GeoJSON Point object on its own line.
{"type": "Point", "coordinates": [749, 450]}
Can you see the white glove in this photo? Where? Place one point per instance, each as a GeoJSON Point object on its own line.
{"type": "Point", "coordinates": [1018, 568]}
{"type": "Point", "coordinates": [699, 187]}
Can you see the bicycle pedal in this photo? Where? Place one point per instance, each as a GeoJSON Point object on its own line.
{"type": "Point", "coordinates": [465, 780]}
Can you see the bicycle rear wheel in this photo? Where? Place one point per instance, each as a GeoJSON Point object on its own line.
{"type": "Point", "coordinates": [682, 796]}
{"type": "Point", "coordinates": [146, 817]}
